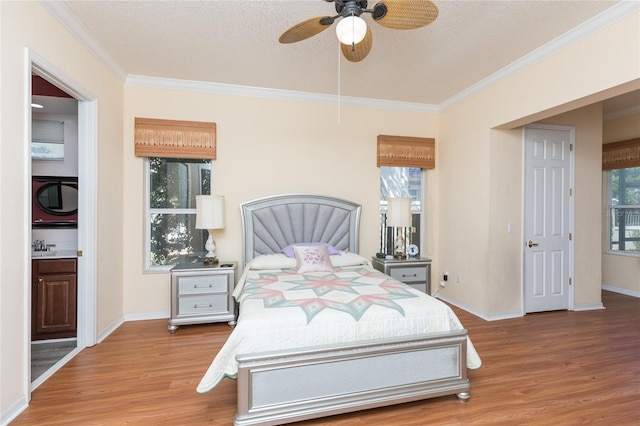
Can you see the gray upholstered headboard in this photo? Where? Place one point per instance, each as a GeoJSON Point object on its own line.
{"type": "Point", "coordinates": [270, 224]}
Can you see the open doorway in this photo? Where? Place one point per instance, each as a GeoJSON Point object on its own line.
{"type": "Point", "coordinates": [54, 219]}
{"type": "Point", "coordinates": [72, 244]}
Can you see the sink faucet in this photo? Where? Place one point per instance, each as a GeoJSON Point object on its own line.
{"type": "Point", "coordinates": [38, 245]}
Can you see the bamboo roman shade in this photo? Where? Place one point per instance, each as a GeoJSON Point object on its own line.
{"type": "Point", "coordinates": [174, 138]}
{"type": "Point", "coordinates": [405, 151]}
{"type": "Point", "coordinates": [621, 155]}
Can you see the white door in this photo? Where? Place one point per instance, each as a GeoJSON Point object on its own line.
{"type": "Point", "coordinates": [547, 217]}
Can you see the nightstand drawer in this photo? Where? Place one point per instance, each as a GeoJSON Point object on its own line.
{"type": "Point", "coordinates": [409, 274]}
{"type": "Point", "coordinates": [202, 284]}
{"type": "Point", "coordinates": [206, 304]}
{"type": "Point", "coordinates": [202, 294]}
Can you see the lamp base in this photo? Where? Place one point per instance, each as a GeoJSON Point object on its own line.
{"type": "Point", "coordinates": [399, 256]}
{"type": "Point", "coordinates": [210, 260]}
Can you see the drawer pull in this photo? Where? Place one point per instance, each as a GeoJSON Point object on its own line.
{"type": "Point", "coordinates": [407, 275]}
{"type": "Point", "coordinates": [202, 286]}
{"type": "Point", "coordinates": [203, 306]}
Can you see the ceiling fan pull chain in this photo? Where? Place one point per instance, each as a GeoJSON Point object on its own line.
{"type": "Point", "coordinates": [339, 80]}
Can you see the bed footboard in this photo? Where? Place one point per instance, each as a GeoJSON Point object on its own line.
{"type": "Point", "coordinates": [283, 387]}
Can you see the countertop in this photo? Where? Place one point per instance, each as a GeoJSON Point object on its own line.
{"type": "Point", "coordinates": [54, 254]}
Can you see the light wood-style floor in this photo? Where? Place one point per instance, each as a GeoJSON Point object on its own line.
{"type": "Point", "coordinates": [554, 368]}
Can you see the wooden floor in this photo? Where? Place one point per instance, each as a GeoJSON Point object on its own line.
{"type": "Point", "coordinates": [553, 368]}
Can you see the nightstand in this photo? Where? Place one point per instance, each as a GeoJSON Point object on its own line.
{"type": "Point", "coordinates": [202, 294]}
{"type": "Point", "coordinates": [414, 271]}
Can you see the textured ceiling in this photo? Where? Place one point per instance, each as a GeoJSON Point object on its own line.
{"type": "Point", "coordinates": [236, 42]}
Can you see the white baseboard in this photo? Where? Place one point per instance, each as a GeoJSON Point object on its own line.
{"type": "Point", "coordinates": [13, 411]}
{"type": "Point", "coordinates": [110, 329]}
{"type": "Point", "coordinates": [485, 316]}
{"type": "Point", "coordinates": [621, 290]}
{"type": "Point", "coordinates": [132, 317]}
{"type": "Point", "coordinates": [507, 315]}
{"type": "Point", "coordinates": [147, 316]}
{"type": "Point", "coordinates": [588, 307]}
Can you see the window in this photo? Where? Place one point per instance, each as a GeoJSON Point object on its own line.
{"type": "Point", "coordinates": [624, 210]}
{"type": "Point", "coordinates": [171, 209]}
{"type": "Point", "coordinates": [400, 182]}
{"type": "Point", "coordinates": [47, 140]}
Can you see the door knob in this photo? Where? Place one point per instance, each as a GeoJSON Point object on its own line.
{"type": "Point", "coordinates": [531, 244]}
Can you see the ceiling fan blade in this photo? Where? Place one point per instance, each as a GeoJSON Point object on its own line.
{"type": "Point", "coordinates": [405, 14]}
{"type": "Point", "coordinates": [359, 51]}
{"type": "Point", "coordinates": [306, 29]}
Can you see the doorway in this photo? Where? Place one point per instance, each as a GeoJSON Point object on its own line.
{"type": "Point", "coordinates": [87, 207]}
{"type": "Point", "coordinates": [548, 218]}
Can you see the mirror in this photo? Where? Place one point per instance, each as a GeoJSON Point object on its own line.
{"type": "Point", "coordinates": [58, 198]}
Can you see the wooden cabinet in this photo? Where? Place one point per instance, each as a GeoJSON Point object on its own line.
{"type": "Point", "coordinates": [53, 298]}
{"type": "Point", "coordinates": [202, 293]}
{"type": "Point", "coordinates": [415, 271]}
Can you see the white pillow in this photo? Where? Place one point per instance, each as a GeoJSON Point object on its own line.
{"type": "Point", "coordinates": [272, 261]}
{"type": "Point", "coordinates": [349, 259]}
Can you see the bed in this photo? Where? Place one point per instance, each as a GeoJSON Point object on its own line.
{"type": "Point", "coordinates": [317, 341]}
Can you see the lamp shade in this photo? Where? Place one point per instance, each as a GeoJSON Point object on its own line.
{"type": "Point", "coordinates": [351, 29]}
{"type": "Point", "coordinates": [399, 212]}
{"type": "Point", "coordinates": [209, 212]}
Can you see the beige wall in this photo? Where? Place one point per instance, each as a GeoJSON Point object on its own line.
{"type": "Point", "coordinates": [473, 193]}
{"type": "Point", "coordinates": [46, 37]}
{"type": "Point", "coordinates": [480, 169]}
{"type": "Point", "coordinates": [504, 249]}
{"type": "Point", "coordinates": [620, 271]}
{"type": "Point", "coordinates": [265, 147]}
{"type": "Point", "coordinates": [621, 128]}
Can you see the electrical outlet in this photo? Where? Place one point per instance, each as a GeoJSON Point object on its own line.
{"type": "Point", "coordinates": [459, 278]}
{"type": "Point", "coordinates": [446, 276]}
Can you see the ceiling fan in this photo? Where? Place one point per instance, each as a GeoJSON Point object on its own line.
{"type": "Point", "coordinates": [352, 31]}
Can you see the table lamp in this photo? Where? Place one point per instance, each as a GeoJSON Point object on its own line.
{"type": "Point", "coordinates": [399, 217]}
{"type": "Point", "coordinates": [210, 216]}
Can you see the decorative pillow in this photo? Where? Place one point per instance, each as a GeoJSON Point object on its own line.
{"type": "Point", "coordinates": [313, 258]}
{"type": "Point", "coordinates": [288, 250]}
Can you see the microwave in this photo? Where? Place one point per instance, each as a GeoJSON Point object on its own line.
{"type": "Point", "coordinates": [54, 201]}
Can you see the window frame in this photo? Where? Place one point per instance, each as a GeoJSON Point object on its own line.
{"type": "Point", "coordinates": [609, 206]}
{"type": "Point", "coordinates": [148, 212]}
{"type": "Point", "coordinates": [417, 212]}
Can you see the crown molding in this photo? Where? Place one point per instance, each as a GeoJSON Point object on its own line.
{"type": "Point", "coordinates": [63, 14]}
{"type": "Point", "coordinates": [278, 94]}
{"type": "Point", "coordinates": [619, 11]}
{"type": "Point", "coordinates": [608, 17]}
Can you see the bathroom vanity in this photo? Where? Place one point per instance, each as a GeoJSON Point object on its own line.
{"type": "Point", "coordinates": [53, 298]}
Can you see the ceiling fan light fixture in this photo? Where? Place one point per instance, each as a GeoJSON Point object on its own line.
{"type": "Point", "coordinates": [351, 30]}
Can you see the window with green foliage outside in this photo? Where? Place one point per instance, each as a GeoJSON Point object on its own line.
{"type": "Point", "coordinates": [171, 214]}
